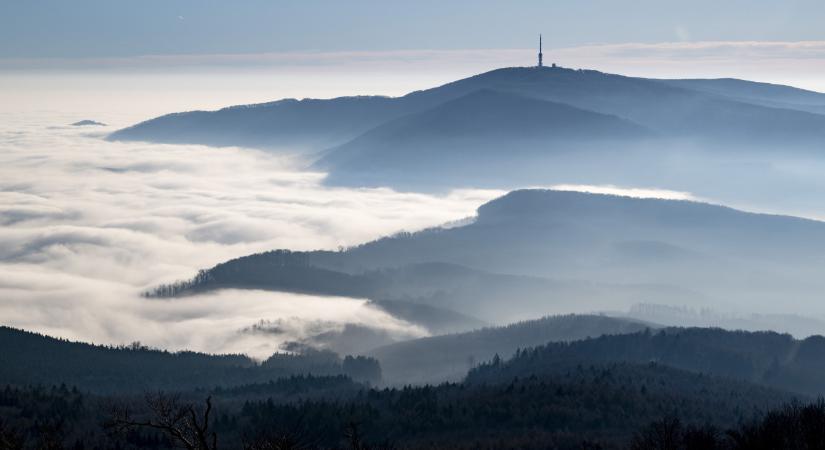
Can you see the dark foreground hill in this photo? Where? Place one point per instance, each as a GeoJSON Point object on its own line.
{"type": "Point", "coordinates": [590, 407]}
{"type": "Point", "coordinates": [448, 357]}
{"type": "Point", "coordinates": [33, 359]}
{"type": "Point", "coordinates": [527, 253]}
{"type": "Point", "coordinates": [766, 358]}
{"type": "Point", "coordinates": [595, 392]}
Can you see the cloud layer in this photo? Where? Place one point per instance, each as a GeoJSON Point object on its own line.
{"type": "Point", "coordinates": [88, 224]}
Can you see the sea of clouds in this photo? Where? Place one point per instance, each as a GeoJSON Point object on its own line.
{"type": "Point", "coordinates": [86, 225]}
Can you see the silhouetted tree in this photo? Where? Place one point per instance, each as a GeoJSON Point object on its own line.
{"type": "Point", "coordinates": [664, 434]}
{"type": "Point", "coordinates": [181, 422]}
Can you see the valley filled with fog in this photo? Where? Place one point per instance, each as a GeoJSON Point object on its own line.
{"type": "Point", "coordinates": [88, 225]}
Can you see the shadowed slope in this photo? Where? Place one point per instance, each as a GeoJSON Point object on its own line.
{"type": "Point", "coordinates": [447, 358]}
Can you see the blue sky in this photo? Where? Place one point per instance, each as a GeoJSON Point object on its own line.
{"type": "Point", "coordinates": [113, 28]}
{"type": "Point", "coordinates": [157, 56]}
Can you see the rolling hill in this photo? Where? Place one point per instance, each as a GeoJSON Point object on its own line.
{"type": "Point", "coordinates": [33, 359]}
{"type": "Point", "coordinates": [528, 253]}
{"type": "Point", "coordinates": [448, 357]}
{"type": "Point", "coordinates": [472, 128]}
{"type": "Point", "coordinates": [765, 94]}
{"type": "Point", "coordinates": [767, 358]}
{"type": "Point", "coordinates": [289, 125]}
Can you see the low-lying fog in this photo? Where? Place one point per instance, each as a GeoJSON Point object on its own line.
{"type": "Point", "coordinates": [86, 225]}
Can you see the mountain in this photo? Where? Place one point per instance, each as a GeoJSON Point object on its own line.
{"type": "Point", "coordinates": [606, 238]}
{"type": "Point", "coordinates": [765, 94]}
{"type": "Point", "coordinates": [528, 252]}
{"type": "Point", "coordinates": [667, 108]}
{"type": "Point", "coordinates": [737, 108]}
{"type": "Point", "coordinates": [30, 359]}
{"type": "Point", "coordinates": [289, 125]}
{"type": "Point", "coordinates": [476, 131]}
{"type": "Point", "coordinates": [448, 357]}
{"type": "Point", "coordinates": [766, 358]}
{"type": "Point", "coordinates": [87, 122]}
{"type": "Point", "coordinates": [441, 297]}
{"type": "Point", "coordinates": [521, 126]}
{"type": "Point", "coordinates": [688, 123]}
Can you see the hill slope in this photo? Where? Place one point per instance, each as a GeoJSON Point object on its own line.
{"type": "Point", "coordinates": [693, 107]}
{"type": "Point", "coordinates": [30, 359]}
{"type": "Point", "coordinates": [289, 125]}
{"type": "Point", "coordinates": [662, 105]}
{"type": "Point", "coordinates": [478, 127]}
{"type": "Point", "coordinates": [766, 358]}
{"type": "Point", "coordinates": [527, 252]}
{"type": "Point", "coordinates": [448, 358]}
{"type": "Point", "coordinates": [765, 94]}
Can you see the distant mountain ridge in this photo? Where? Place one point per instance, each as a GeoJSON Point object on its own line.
{"type": "Point", "coordinates": [289, 124]}
{"type": "Point", "coordinates": [471, 127]}
{"type": "Point", "coordinates": [513, 127]}
{"type": "Point", "coordinates": [326, 123]}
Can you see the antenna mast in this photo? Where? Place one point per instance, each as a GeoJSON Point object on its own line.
{"type": "Point", "coordinates": [541, 56]}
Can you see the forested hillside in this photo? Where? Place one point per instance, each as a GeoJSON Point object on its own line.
{"type": "Point", "coordinates": [766, 358]}
{"type": "Point", "coordinates": [614, 391]}
{"type": "Point", "coordinates": [29, 358]}
{"type": "Point", "coordinates": [448, 358]}
{"type": "Point", "coordinates": [599, 405]}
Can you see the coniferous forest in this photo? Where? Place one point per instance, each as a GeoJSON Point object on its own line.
{"type": "Point", "coordinates": [725, 390]}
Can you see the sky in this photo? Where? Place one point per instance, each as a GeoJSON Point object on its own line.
{"type": "Point", "coordinates": [158, 56]}
{"type": "Point", "coordinates": [105, 28]}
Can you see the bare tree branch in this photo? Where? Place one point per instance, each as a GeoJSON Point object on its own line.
{"type": "Point", "coordinates": [177, 420]}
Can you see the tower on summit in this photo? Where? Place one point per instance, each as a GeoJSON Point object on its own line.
{"type": "Point", "coordinates": [541, 56]}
